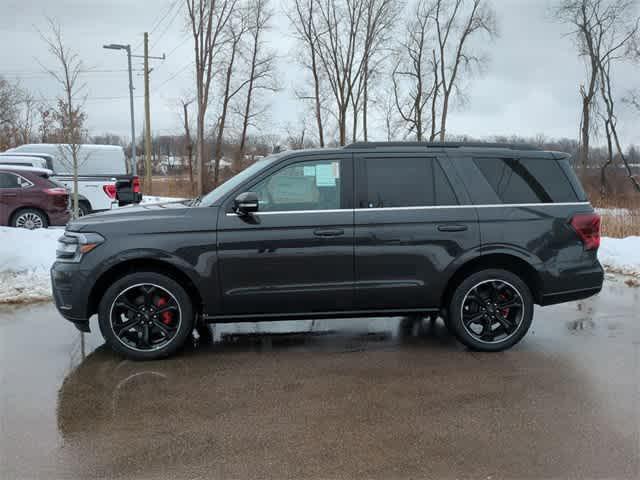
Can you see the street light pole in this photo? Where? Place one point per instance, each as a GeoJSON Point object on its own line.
{"type": "Point", "coordinates": [134, 158]}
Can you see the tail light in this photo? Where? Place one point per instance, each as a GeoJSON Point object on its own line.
{"type": "Point", "coordinates": [110, 190]}
{"type": "Point", "coordinates": [587, 226]}
{"type": "Point", "coordinates": [136, 185]}
{"type": "Point", "coordinates": [56, 191]}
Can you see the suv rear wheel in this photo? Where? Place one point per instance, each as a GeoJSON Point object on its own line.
{"type": "Point", "coordinates": [145, 316]}
{"type": "Point", "coordinates": [491, 310]}
{"type": "Point", "coordinates": [29, 218]}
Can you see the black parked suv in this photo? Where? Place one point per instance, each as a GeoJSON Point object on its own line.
{"type": "Point", "coordinates": [475, 233]}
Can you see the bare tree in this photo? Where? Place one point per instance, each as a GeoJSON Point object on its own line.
{"type": "Point", "coordinates": [606, 32]}
{"type": "Point", "coordinates": [261, 66]}
{"type": "Point", "coordinates": [68, 112]}
{"type": "Point", "coordinates": [338, 24]}
{"type": "Point", "coordinates": [456, 22]}
{"type": "Point", "coordinates": [580, 15]}
{"type": "Point", "coordinates": [207, 19]}
{"type": "Point", "coordinates": [10, 97]}
{"type": "Point", "coordinates": [301, 18]}
{"type": "Point", "coordinates": [188, 143]}
{"type": "Point", "coordinates": [17, 114]}
{"type": "Point", "coordinates": [380, 16]}
{"type": "Point", "coordinates": [618, 51]}
{"type": "Point", "coordinates": [415, 77]}
{"type": "Point", "coordinates": [26, 118]}
{"type": "Point", "coordinates": [237, 27]}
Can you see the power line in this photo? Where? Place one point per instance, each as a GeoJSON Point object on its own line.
{"type": "Point", "coordinates": [43, 73]}
{"type": "Point", "coordinates": [182, 42]}
{"type": "Point", "coordinates": [93, 99]}
{"type": "Point", "coordinates": [166, 28]}
{"type": "Point", "coordinates": [178, 72]}
{"type": "Point", "coordinates": [156, 23]}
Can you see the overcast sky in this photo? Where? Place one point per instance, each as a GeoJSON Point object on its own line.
{"type": "Point", "coordinates": [529, 87]}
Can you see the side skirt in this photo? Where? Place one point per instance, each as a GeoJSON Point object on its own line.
{"type": "Point", "coordinates": [270, 317]}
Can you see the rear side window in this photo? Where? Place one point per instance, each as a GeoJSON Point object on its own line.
{"type": "Point", "coordinates": [527, 180]}
{"type": "Point", "coordinates": [404, 182]}
{"type": "Point", "coordinates": [9, 180]}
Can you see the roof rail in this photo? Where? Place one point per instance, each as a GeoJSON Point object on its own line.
{"type": "Point", "coordinates": [440, 145]}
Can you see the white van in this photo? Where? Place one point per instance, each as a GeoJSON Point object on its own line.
{"type": "Point", "coordinates": [103, 180]}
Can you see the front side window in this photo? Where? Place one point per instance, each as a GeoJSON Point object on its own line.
{"type": "Point", "coordinates": [405, 182]}
{"type": "Point", "coordinates": [526, 180]}
{"type": "Point", "coordinates": [312, 185]}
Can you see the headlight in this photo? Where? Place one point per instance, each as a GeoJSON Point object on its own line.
{"type": "Point", "coordinates": [72, 246]}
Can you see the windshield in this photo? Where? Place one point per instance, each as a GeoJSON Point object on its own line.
{"type": "Point", "coordinates": [216, 194]}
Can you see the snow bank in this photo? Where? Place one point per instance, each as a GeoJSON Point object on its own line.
{"type": "Point", "coordinates": [25, 259]}
{"type": "Point", "coordinates": [621, 255]}
{"type": "Point", "coordinates": [27, 255]}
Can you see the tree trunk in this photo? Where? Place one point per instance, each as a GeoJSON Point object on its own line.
{"type": "Point", "coordinates": [316, 86]}
{"type": "Point", "coordinates": [584, 144]}
{"type": "Point", "coordinates": [443, 119]}
{"type": "Point", "coordinates": [365, 102]}
{"type": "Point", "coordinates": [189, 145]}
{"type": "Point", "coordinates": [200, 154]}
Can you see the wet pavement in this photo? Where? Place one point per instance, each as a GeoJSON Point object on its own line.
{"type": "Point", "coordinates": [366, 398]}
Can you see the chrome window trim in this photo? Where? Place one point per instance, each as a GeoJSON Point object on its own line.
{"type": "Point", "coordinates": [430, 207]}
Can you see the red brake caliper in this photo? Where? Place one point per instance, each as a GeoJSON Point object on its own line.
{"type": "Point", "coordinates": [504, 311]}
{"type": "Point", "coordinates": [166, 316]}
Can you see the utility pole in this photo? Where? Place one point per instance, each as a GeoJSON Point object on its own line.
{"type": "Point", "coordinates": [147, 120]}
{"type": "Point", "coordinates": [116, 46]}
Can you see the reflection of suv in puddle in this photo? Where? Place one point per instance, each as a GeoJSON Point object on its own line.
{"type": "Point", "coordinates": [476, 233]}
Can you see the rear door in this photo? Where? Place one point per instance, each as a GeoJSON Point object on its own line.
{"type": "Point", "coordinates": [295, 255]}
{"type": "Point", "coordinates": [410, 225]}
{"type": "Point", "coordinates": [10, 196]}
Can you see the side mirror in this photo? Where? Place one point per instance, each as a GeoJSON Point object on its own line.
{"type": "Point", "coordinates": [246, 203]}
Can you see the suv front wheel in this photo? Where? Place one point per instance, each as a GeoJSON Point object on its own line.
{"type": "Point", "coordinates": [491, 310]}
{"type": "Point", "coordinates": [145, 316]}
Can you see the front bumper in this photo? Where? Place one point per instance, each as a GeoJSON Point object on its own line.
{"type": "Point", "coordinates": [71, 289]}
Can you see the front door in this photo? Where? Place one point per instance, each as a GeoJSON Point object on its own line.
{"type": "Point", "coordinates": [410, 225]}
{"type": "Point", "coordinates": [295, 255]}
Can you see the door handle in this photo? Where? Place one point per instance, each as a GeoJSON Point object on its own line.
{"type": "Point", "coordinates": [328, 232]}
{"type": "Point", "coordinates": [452, 228]}
{"type": "Point", "coordinates": [9, 195]}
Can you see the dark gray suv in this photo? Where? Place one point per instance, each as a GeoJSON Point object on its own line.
{"type": "Point", "coordinates": [475, 233]}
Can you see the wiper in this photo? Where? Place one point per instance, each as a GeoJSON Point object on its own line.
{"type": "Point", "coordinates": [196, 201]}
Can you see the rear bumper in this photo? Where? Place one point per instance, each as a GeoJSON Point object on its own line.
{"type": "Point", "coordinates": [576, 285]}
{"type": "Point", "coordinates": [59, 218]}
{"type": "Point", "coordinates": [71, 288]}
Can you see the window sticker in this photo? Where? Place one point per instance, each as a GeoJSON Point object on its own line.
{"type": "Point", "coordinates": [309, 171]}
{"type": "Point", "coordinates": [325, 175]}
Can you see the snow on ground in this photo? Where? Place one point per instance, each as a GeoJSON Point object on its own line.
{"type": "Point", "coordinates": [27, 255]}
{"type": "Point", "coordinates": [25, 259]}
{"type": "Point", "coordinates": [613, 212]}
{"type": "Point", "coordinates": [621, 255]}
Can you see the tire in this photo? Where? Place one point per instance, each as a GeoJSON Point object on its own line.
{"type": "Point", "coordinates": [497, 328]}
{"type": "Point", "coordinates": [29, 218]}
{"type": "Point", "coordinates": [83, 209]}
{"type": "Point", "coordinates": [136, 343]}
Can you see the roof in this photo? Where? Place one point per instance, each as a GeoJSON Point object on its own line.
{"type": "Point", "coordinates": [509, 146]}
{"type": "Point", "coordinates": [22, 168]}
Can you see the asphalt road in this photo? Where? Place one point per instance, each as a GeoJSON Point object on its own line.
{"type": "Point", "coordinates": [370, 398]}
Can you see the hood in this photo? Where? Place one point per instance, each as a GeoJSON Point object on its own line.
{"type": "Point", "coordinates": [134, 219]}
